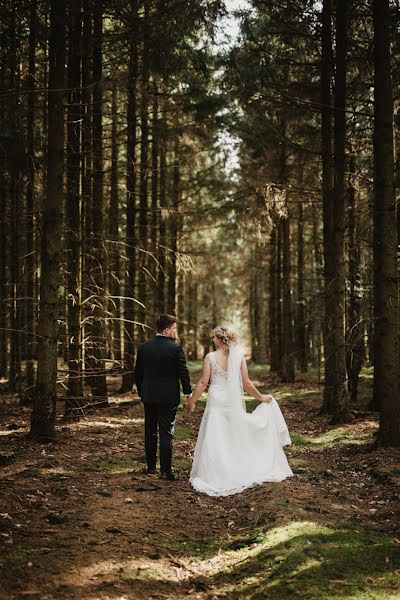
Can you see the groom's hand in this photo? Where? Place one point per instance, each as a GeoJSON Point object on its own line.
{"type": "Point", "coordinates": [189, 404]}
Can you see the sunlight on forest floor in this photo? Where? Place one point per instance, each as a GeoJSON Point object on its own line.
{"type": "Point", "coordinates": [79, 519]}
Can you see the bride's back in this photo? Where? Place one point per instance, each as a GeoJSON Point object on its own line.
{"type": "Point", "coordinates": [222, 359]}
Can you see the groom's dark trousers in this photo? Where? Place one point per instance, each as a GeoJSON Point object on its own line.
{"type": "Point", "coordinates": [160, 368]}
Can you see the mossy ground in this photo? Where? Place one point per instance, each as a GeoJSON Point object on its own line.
{"type": "Point", "coordinates": [79, 519]}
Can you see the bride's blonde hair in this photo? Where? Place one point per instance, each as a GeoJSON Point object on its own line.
{"type": "Point", "coordinates": [226, 335]}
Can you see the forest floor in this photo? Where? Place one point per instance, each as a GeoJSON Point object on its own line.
{"type": "Point", "coordinates": [79, 519]}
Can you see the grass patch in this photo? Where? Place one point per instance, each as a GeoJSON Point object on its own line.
{"type": "Point", "coordinates": [342, 435]}
{"type": "Point", "coordinates": [184, 433]}
{"type": "Point", "coordinates": [182, 463]}
{"type": "Point", "coordinates": [201, 549]}
{"type": "Point", "coordinates": [308, 560]}
{"type": "Point", "coordinates": [118, 463]}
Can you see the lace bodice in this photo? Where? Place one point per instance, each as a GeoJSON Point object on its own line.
{"type": "Point", "coordinates": [218, 375]}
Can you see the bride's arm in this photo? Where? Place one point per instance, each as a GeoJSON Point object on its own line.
{"type": "Point", "coordinates": [249, 386]}
{"type": "Point", "coordinates": [201, 384]}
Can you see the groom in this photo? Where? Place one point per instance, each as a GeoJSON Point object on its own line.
{"type": "Point", "coordinates": [160, 366]}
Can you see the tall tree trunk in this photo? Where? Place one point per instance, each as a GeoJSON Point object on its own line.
{"type": "Point", "coordinates": [253, 314]}
{"type": "Point", "coordinates": [272, 312]}
{"type": "Point", "coordinates": [339, 407]}
{"type": "Point", "coordinates": [144, 166]}
{"type": "Point", "coordinates": [51, 288]}
{"type": "Point", "coordinates": [3, 251]}
{"type": "Point", "coordinates": [131, 255]}
{"type": "Point", "coordinates": [261, 353]}
{"type": "Point", "coordinates": [98, 374]}
{"type": "Point", "coordinates": [30, 302]}
{"type": "Point", "coordinates": [14, 384]}
{"type": "Point", "coordinates": [327, 200]}
{"type": "Point", "coordinates": [355, 327]}
{"type": "Point", "coordinates": [301, 318]}
{"type": "Point", "coordinates": [162, 244]}
{"type": "Point", "coordinates": [173, 231]}
{"type": "Point", "coordinates": [182, 305]}
{"type": "Point", "coordinates": [386, 278]}
{"type": "Point", "coordinates": [316, 305]}
{"type": "Point", "coordinates": [279, 323]}
{"type": "Point", "coordinates": [73, 216]}
{"type": "Point", "coordinates": [154, 229]}
{"type": "Point", "coordinates": [4, 236]}
{"type": "Point", "coordinates": [287, 370]}
{"type": "Point", "coordinates": [86, 183]}
{"type": "Point", "coordinates": [193, 319]}
{"type": "Point", "coordinates": [114, 286]}
{"type": "Point", "coordinates": [287, 362]}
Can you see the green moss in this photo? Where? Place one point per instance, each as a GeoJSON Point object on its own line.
{"type": "Point", "coordinates": [181, 462]}
{"type": "Point", "coordinates": [191, 549]}
{"type": "Point", "coordinates": [117, 463]}
{"type": "Point", "coordinates": [309, 560]}
{"type": "Point", "coordinates": [302, 559]}
{"type": "Point", "coordinates": [299, 440]}
{"type": "Point", "coordinates": [342, 435]}
{"type": "Point", "coordinates": [184, 433]}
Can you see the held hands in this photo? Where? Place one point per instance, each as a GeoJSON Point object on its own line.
{"type": "Point", "coordinates": [267, 398]}
{"type": "Point", "coordinates": [189, 405]}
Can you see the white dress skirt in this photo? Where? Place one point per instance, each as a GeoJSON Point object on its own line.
{"type": "Point", "coordinates": [233, 454]}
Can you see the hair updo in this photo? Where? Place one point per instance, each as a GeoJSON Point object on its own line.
{"type": "Point", "coordinates": [226, 335]}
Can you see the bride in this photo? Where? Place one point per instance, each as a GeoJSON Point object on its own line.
{"type": "Point", "coordinates": [235, 449]}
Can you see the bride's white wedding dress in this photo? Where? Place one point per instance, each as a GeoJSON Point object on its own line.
{"type": "Point", "coordinates": [235, 449]}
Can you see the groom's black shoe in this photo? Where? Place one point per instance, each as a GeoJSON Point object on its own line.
{"type": "Point", "coordinates": [170, 476]}
{"type": "Point", "coordinates": [150, 471]}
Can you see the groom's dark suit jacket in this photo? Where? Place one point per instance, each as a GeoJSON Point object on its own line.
{"type": "Point", "coordinates": [160, 366]}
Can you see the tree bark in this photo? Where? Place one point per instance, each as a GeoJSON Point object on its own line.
{"type": "Point", "coordinates": [259, 289]}
{"type": "Point", "coordinates": [144, 166]}
{"type": "Point", "coordinates": [162, 245]}
{"type": "Point", "coordinates": [4, 244]}
{"type": "Point", "coordinates": [73, 215]}
{"type": "Point", "coordinates": [317, 301]}
{"type": "Point", "coordinates": [154, 228]}
{"type": "Point", "coordinates": [339, 400]}
{"type": "Point", "coordinates": [51, 285]}
{"type": "Point", "coordinates": [114, 285]}
{"type": "Point", "coordinates": [182, 308]}
{"type": "Point", "coordinates": [279, 323]}
{"type": "Point", "coordinates": [131, 241]}
{"type": "Point", "coordinates": [272, 312]}
{"type": "Point", "coordinates": [30, 302]}
{"type": "Point", "coordinates": [14, 381]}
{"type": "Point", "coordinates": [98, 330]}
{"type": "Point", "coordinates": [327, 200]}
{"type": "Point", "coordinates": [287, 368]}
{"type": "Point", "coordinates": [301, 318]}
{"type": "Point", "coordinates": [86, 182]}
{"type": "Point", "coordinates": [173, 232]}
{"type": "Point", "coordinates": [193, 319]}
{"type": "Point", "coordinates": [355, 328]}
{"type": "Point", "coordinates": [386, 304]}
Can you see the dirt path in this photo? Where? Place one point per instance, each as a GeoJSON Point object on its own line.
{"type": "Point", "coordinates": [80, 520]}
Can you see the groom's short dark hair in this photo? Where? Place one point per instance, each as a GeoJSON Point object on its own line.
{"type": "Point", "coordinates": [165, 321]}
